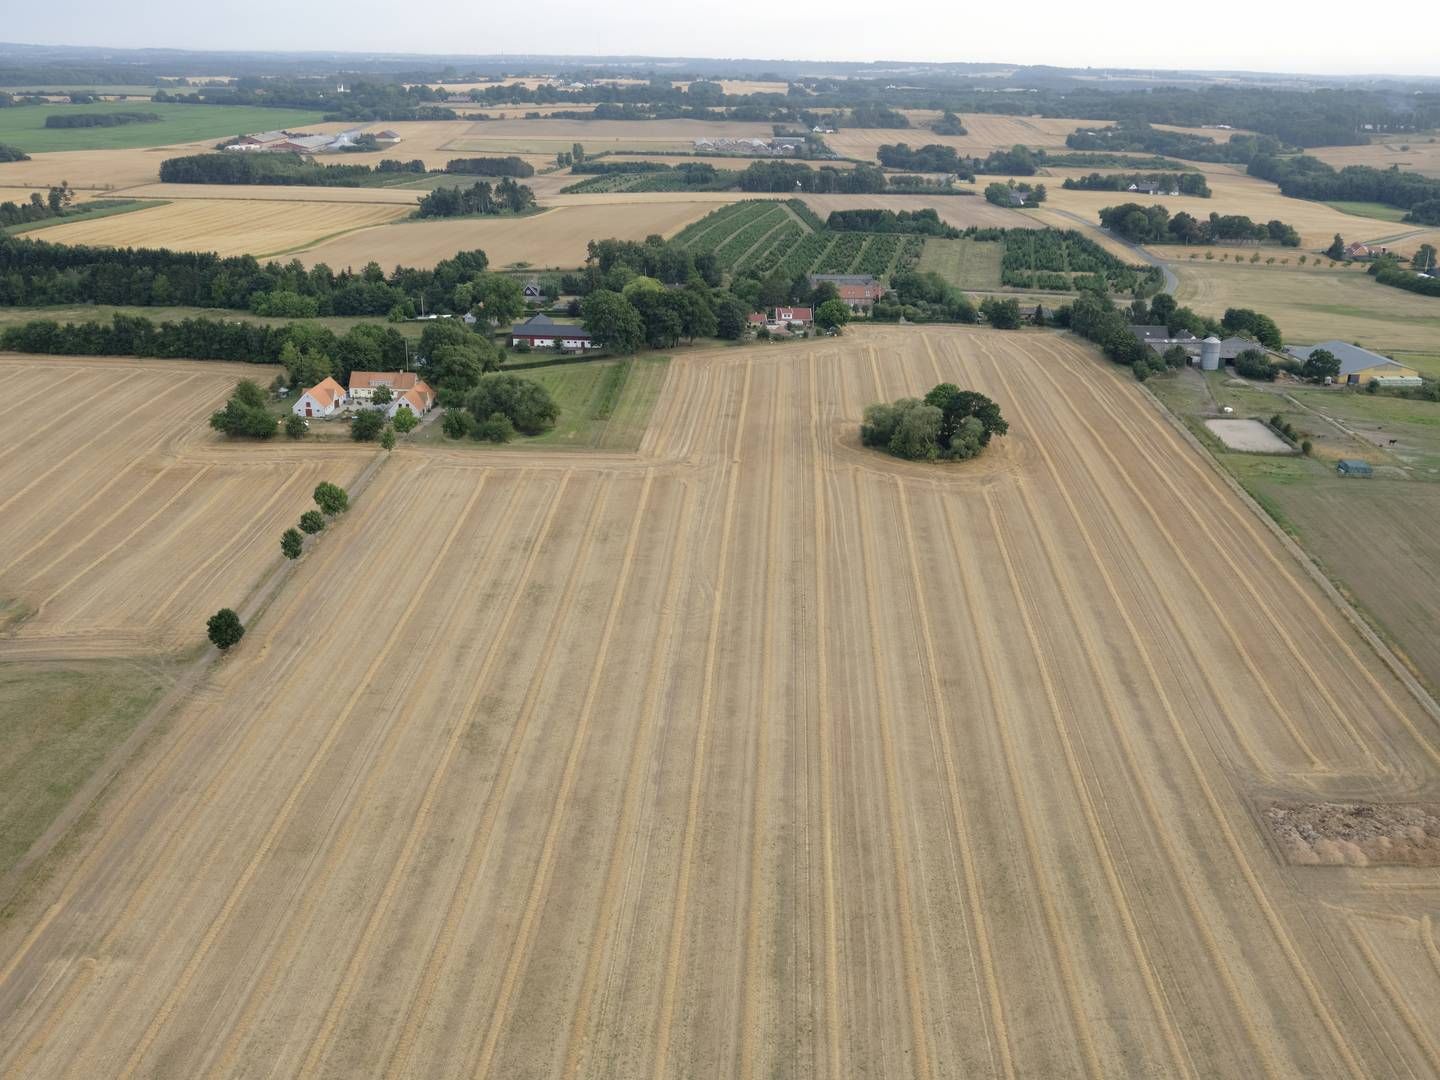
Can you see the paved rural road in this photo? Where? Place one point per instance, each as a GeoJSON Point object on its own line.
{"type": "Point", "coordinates": [1171, 281]}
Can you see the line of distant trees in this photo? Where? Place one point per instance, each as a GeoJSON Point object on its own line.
{"type": "Point", "coordinates": [105, 119]}
{"type": "Point", "coordinates": [278, 168]}
{"type": "Point", "coordinates": [1306, 177]}
{"type": "Point", "coordinates": [490, 166]}
{"type": "Point", "coordinates": [1154, 225]}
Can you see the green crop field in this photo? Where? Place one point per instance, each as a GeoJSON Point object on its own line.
{"type": "Point", "coordinates": [967, 264]}
{"type": "Point", "coordinates": [24, 125]}
{"type": "Point", "coordinates": [1369, 210]}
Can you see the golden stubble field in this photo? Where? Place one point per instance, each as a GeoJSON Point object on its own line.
{"type": "Point", "coordinates": [754, 754]}
{"type": "Point", "coordinates": [127, 520]}
{"type": "Point", "coordinates": [555, 237]}
{"type": "Point", "coordinates": [227, 226]}
{"type": "Point", "coordinates": [985, 132]}
{"type": "Point", "coordinates": [1420, 153]}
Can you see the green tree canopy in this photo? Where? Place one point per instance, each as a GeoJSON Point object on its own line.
{"type": "Point", "coordinates": [224, 629]}
{"type": "Point", "coordinates": [832, 314]}
{"type": "Point", "coordinates": [612, 321]}
{"type": "Point", "coordinates": [1320, 365]}
{"type": "Point", "coordinates": [527, 404]}
{"type": "Point", "coordinates": [331, 498]}
{"type": "Point", "coordinates": [291, 543]}
{"type": "Point", "coordinates": [246, 414]}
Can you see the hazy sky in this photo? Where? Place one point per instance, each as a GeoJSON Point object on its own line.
{"type": "Point", "coordinates": [1215, 34]}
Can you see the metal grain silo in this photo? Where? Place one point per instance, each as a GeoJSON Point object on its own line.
{"type": "Point", "coordinates": [1210, 354]}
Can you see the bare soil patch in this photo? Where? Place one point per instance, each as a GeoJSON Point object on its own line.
{"type": "Point", "coordinates": [1357, 834]}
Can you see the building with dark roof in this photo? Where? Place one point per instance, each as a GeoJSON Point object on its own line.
{"type": "Point", "coordinates": [1357, 366]}
{"type": "Point", "coordinates": [543, 332]}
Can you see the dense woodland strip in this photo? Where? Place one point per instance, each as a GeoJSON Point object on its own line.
{"type": "Point", "coordinates": [1154, 225]}
{"type": "Point", "coordinates": [235, 167]}
{"type": "Point", "coordinates": [1305, 177]}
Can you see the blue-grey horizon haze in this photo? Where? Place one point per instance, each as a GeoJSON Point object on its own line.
{"type": "Point", "coordinates": [1224, 35]}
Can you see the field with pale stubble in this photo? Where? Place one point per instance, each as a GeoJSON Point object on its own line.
{"type": "Point", "coordinates": [754, 753]}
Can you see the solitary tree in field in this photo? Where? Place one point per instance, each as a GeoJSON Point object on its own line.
{"type": "Point", "coordinates": [331, 498]}
{"type": "Point", "coordinates": [1336, 250]}
{"type": "Point", "coordinates": [292, 543]}
{"type": "Point", "coordinates": [387, 439]}
{"type": "Point", "coordinates": [312, 521]}
{"type": "Point", "coordinates": [224, 629]}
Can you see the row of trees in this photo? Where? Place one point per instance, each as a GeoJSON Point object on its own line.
{"type": "Point", "coordinates": [792, 176]}
{"type": "Point", "coordinates": [1137, 135]}
{"type": "Point", "coordinates": [504, 197]}
{"type": "Point", "coordinates": [1154, 225]}
{"type": "Point", "coordinates": [1306, 177]}
{"type": "Point", "coordinates": [924, 222]}
{"type": "Point", "coordinates": [933, 157]}
{"type": "Point", "coordinates": [490, 166]}
{"type": "Point", "coordinates": [287, 169]}
{"type": "Point", "coordinates": [54, 203]}
{"type": "Point", "coordinates": [102, 119]}
{"type": "Point", "coordinates": [34, 273]}
{"type": "Point", "coordinates": [1186, 183]}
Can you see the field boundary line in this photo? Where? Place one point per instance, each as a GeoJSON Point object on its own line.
{"type": "Point", "coordinates": [1417, 690]}
{"type": "Point", "coordinates": [303, 907]}
{"type": "Point", "coordinates": [702, 735]}
{"type": "Point", "coordinates": [500, 1012]}
{"type": "Point", "coordinates": [272, 834]}
{"type": "Point", "coordinates": [1272, 920]}
{"type": "Point", "coordinates": [1407, 1015]}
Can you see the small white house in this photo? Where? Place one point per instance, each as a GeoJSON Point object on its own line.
{"type": "Point", "coordinates": [418, 400]}
{"type": "Point", "coordinates": [325, 398]}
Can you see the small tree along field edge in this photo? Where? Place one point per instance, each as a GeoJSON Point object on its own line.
{"type": "Point", "coordinates": [224, 629]}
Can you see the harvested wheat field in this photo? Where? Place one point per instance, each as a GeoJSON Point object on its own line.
{"type": "Point", "coordinates": [127, 520]}
{"type": "Point", "coordinates": [1420, 154]}
{"type": "Point", "coordinates": [227, 226]}
{"type": "Point", "coordinates": [551, 238]}
{"type": "Point", "coordinates": [755, 754]}
{"type": "Point", "coordinates": [986, 132]}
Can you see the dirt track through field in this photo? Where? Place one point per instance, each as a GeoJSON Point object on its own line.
{"type": "Point", "coordinates": [756, 753]}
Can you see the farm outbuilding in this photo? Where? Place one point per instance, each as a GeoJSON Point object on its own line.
{"type": "Point", "coordinates": [1357, 366]}
{"type": "Point", "coordinates": [1353, 467]}
{"type": "Point", "coordinates": [325, 398]}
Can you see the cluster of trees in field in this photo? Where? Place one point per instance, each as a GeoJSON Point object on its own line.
{"type": "Point", "coordinates": [792, 176]}
{"type": "Point", "coordinates": [933, 157]}
{"type": "Point", "coordinates": [1001, 194]}
{"type": "Point", "coordinates": [57, 202]}
{"type": "Point", "coordinates": [1306, 177]}
{"type": "Point", "coordinates": [499, 406]}
{"type": "Point", "coordinates": [490, 166]}
{"type": "Point", "coordinates": [921, 296]}
{"type": "Point", "coordinates": [1138, 135]}
{"type": "Point", "coordinates": [34, 273]}
{"type": "Point", "coordinates": [949, 124]}
{"type": "Point", "coordinates": [361, 99]}
{"type": "Point", "coordinates": [1154, 225]}
{"type": "Point", "coordinates": [948, 424]}
{"type": "Point", "coordinates": [504, 197]}
{"type": "Point", "coordinates": [288, 169]}
{"type": "Point", "coordinates": [105, 119]}
{"type": "Point", "coordinates": [924, 222]}
{"type": "Point", "coordinates": [1186, 183]}
{"type": "Point", "coordinates": [12, 153]}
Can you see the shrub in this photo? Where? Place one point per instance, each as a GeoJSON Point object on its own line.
{"type": "Point", "coordinates": [367, 425]}
{"type": "Point", "coordinates": [294, 426]}
{"type": "Point", "coordinates": [387, 439]}
{"type": "Point", "coordinates": [495, 428]}
{"type": "Point", "coordinates": [224, 629]}
{"type": "Point", "coordinates": [457, 424]}
{"type": "Point", "coordinates": [1251, 364]}
{"type": "Point", "coordinates": [312, 521]}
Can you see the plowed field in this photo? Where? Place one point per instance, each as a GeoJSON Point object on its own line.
{"type": "Point", "coordinates": [758, 754]}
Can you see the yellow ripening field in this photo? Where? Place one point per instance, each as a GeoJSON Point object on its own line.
{"type": "Point", "coordinates": [985, 133]}
{"type": "Point", "coordinates": [553, 238]}
{"type": "Point", "coordinates": [550, 136]}
{"type": "Point", "coordinates": [757, 754]}
{"type": "Point", "coordinates": [287, 193]}
{"type": "Point", "coordinates": [1418, 153]}
{"type": "Point", "coordinates": [227, 226]}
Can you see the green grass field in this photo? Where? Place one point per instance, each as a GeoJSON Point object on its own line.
{"type": "Point", "coordinates": [1369, 210]}
{"type": "Point", "coordinates": [968, 264]}
{"type": "Point", "coordinates": [58, 722]}
{"type": "Point", "coordinates": [24, 126]}
{"type": "Point", "coordinates": [604, 404]}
